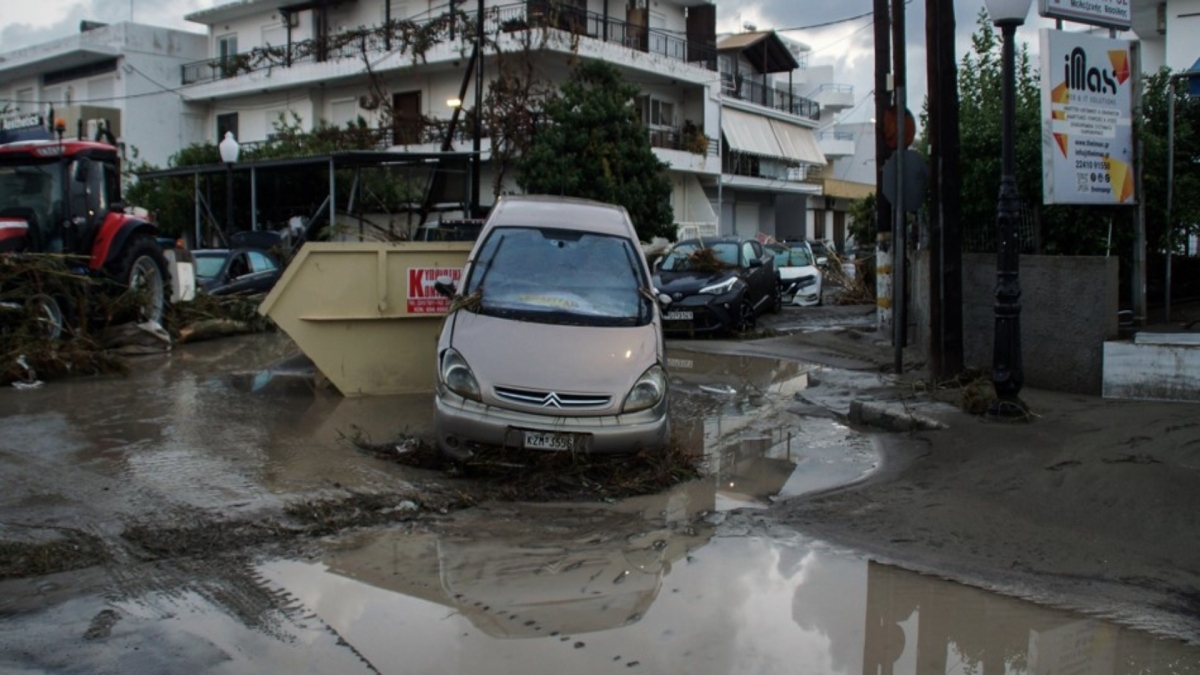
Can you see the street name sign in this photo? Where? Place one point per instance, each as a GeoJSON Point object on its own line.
{"type": "Point", "coordinates": [1108, 13]}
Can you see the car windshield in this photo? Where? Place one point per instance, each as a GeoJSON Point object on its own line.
{"type": "Point", "coordinates": [208, 265]}
{"type": "Point", "coordinates": [559, 276]}
{"type": "Point", "coordinates": [682, 258]}
{"type": "Point", "coordinates": [789, 257]}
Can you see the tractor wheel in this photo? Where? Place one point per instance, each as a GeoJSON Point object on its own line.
{"type": "Point", "coordinates": [142, 269]}
{"type": "Point", "coordinates": [48, 316]}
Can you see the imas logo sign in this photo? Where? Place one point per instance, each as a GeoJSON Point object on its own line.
{"type": "Point", "coordinates": [1087, 131]}
{"type": "Point", "coordinates": [1078, 76]}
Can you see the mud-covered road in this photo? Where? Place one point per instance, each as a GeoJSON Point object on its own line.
{"type": "Point", "coordinates": [216, 512]}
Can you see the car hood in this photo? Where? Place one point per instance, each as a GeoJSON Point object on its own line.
{"type": "Point", "coordinates": [554, 357]}
{"type": "Point", "coordinates": [797, 271]}
{"type": "Point", "coordinates": [688, 282]}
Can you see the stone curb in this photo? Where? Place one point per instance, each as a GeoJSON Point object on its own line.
{"type": "Point", "coordinates": [890, 417]}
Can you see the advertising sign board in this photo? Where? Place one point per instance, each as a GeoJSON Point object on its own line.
{"type": "Point", "coordinates": [1087, 130]}
{"type": "Point", "coordinates": [1108, 13]}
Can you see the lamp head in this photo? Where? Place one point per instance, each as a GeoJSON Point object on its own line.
{"type": "Point", "coordinates": [229, 148]}
{"type": "Point", "coordinates": [1007, 12]}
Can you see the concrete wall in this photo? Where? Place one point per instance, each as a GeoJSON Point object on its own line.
{"type": "Point", "coordinates": [1068, 309]}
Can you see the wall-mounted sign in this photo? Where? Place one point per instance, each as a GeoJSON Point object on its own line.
{"type": "Point", "coordinates": [1108, 13]}
{"type": "Point", "coordinates": [423, 298]}
{"type": "Point", "coordinates": [1087, 130]}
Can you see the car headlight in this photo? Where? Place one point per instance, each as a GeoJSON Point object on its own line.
{"type": "Point", "coordinates": [647, 391]}
{"type": "Point", "coordinates": [457, 376]}
{"type": "Point", "coordinates": [720, 288]}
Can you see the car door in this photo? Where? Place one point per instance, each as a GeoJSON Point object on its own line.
{"type": "Point", "coordinates": [759, 275]}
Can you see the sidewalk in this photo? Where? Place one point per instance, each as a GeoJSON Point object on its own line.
{"type": "Point", "coordinates": [1094, 505]}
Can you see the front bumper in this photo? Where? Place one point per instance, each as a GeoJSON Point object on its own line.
{"type": "Point", "coordinates": [463, 426]}
{"type": "Point", "coordinates": [710, 314]}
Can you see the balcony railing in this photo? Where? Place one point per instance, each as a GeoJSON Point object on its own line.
{"type": "Point", "coordinates": [770, 97]}
{"type": "Point", "coordinates": [427, 130]}
{"type": "Point", "coordinates": [835, 135]}
{"type": "Point", "coordinates": [678, 139]}
{"type": "Point", "coordinates": [380, 39]}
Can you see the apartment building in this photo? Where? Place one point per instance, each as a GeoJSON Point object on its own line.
{"type": "Point", "coordinates": [121, 77]}
{"type": "Point", "coordinates": [401, 65]}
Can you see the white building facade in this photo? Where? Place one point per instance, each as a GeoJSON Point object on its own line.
{"type": "Point", "coordinates": [123, 76]}
{"type": "Point", "coordinates": [336, 62]}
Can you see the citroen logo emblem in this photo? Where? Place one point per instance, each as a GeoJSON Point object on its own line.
{"type": "Point", "coordinates": [551, 401]}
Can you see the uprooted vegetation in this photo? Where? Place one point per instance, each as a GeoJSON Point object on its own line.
{"type": "Point", "coordinates": [57, 322]}
{"type": "Point", "coordinates": [513, 474]}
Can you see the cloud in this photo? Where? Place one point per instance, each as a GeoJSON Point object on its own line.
{"type": "Point", "coordinates": [27, 26]}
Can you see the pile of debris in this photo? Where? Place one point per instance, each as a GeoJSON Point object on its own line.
{"type": "Point", "coordinates": [514, 474]}
{"type": "Point", "coordinates": [55, 321]}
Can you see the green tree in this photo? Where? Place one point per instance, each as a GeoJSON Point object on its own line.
{"type": "Point", "coordinates": [593, 145]}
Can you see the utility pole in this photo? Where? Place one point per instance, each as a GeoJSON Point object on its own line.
{"type": "Point", "coordinates": [476, 208]}
{"type": "Point", "coordinates": [883, 218]}
{"type": "Point", "coordinates": [900, 209]}
{"type": "Point", "coordinates": [945, 256]}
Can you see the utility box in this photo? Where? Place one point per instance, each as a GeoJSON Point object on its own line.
{"type": "Point", "coordinates": [367, 314]}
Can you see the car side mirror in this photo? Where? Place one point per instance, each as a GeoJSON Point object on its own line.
{"type": "Point", "coordinates": [445, 287]}
{"type": "Point", "coordinates": [756, 262]}
{"type": "Point", "coordinates": [663, 299]}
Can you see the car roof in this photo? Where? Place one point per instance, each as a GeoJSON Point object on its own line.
{"type": "Point", "coordinates": [567, 213]}
{"type": "Point", "coordinates": [706, 241]}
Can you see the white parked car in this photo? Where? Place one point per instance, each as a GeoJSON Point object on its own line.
{"type": "Point", "coordinates": [800, 279]}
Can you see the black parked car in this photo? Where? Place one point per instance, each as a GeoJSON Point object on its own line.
{"type": "Point", "coordinates": [236, 271]}
{"type": "Point", "coordinates": [719, 284]}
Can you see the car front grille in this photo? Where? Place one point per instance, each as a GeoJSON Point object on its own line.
{"type": "Point", "coordinates": [550, 399]}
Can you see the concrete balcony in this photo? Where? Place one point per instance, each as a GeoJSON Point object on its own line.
{"type": "Point", "coordinates": [449, 39]}
{"type": "Point", "coordinates": [833, 98]}
{"type": "Point", "coordinates": [836, 143]}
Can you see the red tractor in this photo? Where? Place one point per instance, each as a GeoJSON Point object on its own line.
{"type": "Point", "coordinates": [64, 197]}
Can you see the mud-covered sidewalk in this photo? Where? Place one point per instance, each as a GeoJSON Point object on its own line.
{"type": "Point", "coordinates": [1093, 505]}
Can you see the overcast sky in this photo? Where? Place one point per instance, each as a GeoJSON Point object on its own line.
{"type": "Point", "coordinates": [847, 45]}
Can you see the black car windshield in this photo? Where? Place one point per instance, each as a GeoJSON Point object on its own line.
{"type": "Point", "coordinates": [560, 276]}
{"type": "Point", "coordinates": [789, 257]}
{"type": "Point", "coordinates": [682, 258]}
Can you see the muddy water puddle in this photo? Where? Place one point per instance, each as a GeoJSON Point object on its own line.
{"type": "Point", "coordinates": [687, 580]}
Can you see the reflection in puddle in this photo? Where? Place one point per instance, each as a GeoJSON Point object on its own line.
{"type": "Point", "coordinates": [455, 602]}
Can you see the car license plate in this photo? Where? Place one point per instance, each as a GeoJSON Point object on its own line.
{"type": "Point", "coordinates": [542, 440]}
{"type": "Point", "coordinates": [678, 315]}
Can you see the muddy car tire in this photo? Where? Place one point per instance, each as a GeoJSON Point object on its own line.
{"type": "Point", "coordinates": [141, 267]}
{"type": "Point", "coordinates": [746, 319]}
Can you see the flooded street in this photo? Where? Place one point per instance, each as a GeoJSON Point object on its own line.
{"type": "Point", "coordinates": [222, 437]}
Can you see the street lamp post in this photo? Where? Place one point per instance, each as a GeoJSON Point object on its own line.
{"type": "Point", "coordinates": [229, 154]}
{"type": "Point", "coordinates": [1007, 371]}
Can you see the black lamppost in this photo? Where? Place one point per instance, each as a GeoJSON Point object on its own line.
{"type": "Point", "coordinates": [1007, 372]}
{"type": "Point", "coordinates": [229, 154]}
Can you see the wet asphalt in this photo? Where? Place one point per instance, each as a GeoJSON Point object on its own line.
{"type": "Point", "coordinates": [697, 578]}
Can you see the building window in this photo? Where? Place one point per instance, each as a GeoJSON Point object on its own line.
{"type": "Point", "coordinates": [227, 46]}
{"type": "Point", "coordinates": [343, 112]}
{"type": "Point", "coordinates": [406, 118]}
{"type": "Point", "coordinates": [227, 122]}
{"type": "Point", "coordinates": [226, 53]}
{"type": "Point", "coordinates": [657, 113]}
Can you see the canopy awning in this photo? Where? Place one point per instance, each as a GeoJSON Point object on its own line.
{"type": "Point", "coordinates": [798, 143]}
{"type": "Point", "coordinates": [750, 133]}
{"type": "Point", "coordinates": [768, 137]}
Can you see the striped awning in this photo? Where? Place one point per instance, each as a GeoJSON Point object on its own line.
{"type": "Point", "coordinates": [769, 137]}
